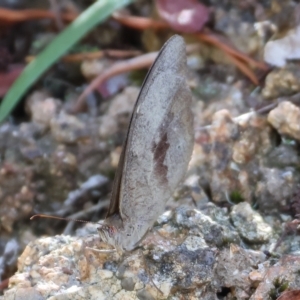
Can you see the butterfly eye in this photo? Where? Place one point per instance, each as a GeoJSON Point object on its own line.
{"type": "Point", "coordinates": [111, 230]}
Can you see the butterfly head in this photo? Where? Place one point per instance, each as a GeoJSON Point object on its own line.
{"type": "Point", "coordinates": [110, 235]}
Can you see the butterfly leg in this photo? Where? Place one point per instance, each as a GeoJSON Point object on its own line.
{"type": "Point", "coordinates": [102, 250]}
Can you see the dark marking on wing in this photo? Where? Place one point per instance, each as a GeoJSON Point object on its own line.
{"type": "Point", "coordinates": [160, 150]}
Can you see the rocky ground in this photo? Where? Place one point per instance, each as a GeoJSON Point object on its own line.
{"type": "Point", "coordinates": [231, 229]}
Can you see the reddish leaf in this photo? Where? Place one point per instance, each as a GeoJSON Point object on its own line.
{"type": "Point", "coordinates": [7, 78]}
{"type": "Point", "coordinates": [112, 85]}
{"type": "Point", "coordinates": [183, 15]}
{"type": "Point", "coordinates": [290, 295]}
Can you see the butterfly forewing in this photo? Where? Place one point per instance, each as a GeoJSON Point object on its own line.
{"type": "Point", "coordinates": [171, 57]}
{"type": "Point", "coordinates": [158, 145]}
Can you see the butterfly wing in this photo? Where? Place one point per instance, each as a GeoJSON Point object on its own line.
{"type": "Point", "coordinates": [159, 143]}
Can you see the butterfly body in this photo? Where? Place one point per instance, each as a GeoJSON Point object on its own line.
{"type": "Point", "coordinates": [156, 152]}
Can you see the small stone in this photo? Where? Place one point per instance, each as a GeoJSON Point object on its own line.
{"type": "Point", "coordinates": [42, 108]}
{"type": "Point", "coordinates": [250, 224]}
{"type": "Point", "coordinates": [119, 111]}
{"type": "Point", "coordinates": [28, 293]}
{"type": "Point", "coordinates": [193, 243]}
{"type": "Point", "coordinates": [275, 189]}
{"type": "Point", "coordinates": [144, 295]}
{"type": "Point", "coordinates": [285, 119]}
{"type": "Point", "coordinates": [108, 126]}
{"type": "Point", "coordinates": [256, 276]}
{"type": "Point", "coordinates": [67, 129]}
{"type": "Point", "coordinates": [128, 284]}
{"type": "Point", "coordinates": [282, 82]}
{"type": "Point", "coordinates": [105, 274]}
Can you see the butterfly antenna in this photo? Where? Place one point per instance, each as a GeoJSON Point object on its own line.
{"type": "Point", "coordinates": [60, 218]}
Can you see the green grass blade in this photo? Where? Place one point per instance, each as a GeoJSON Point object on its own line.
{"type": "Point", "coordinates": [96, 13]}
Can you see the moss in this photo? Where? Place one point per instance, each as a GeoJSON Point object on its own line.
{"type": "Point", "coordinates": [236, 197]}
{"type": "Point", "coordinates": [280, 285]}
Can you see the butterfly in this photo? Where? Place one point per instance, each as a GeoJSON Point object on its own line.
{"type": "Point", "coordinates": [156, 152]}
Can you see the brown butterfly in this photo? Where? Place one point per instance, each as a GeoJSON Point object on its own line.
{"type": "Point", "coordinates": [156, 151]}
